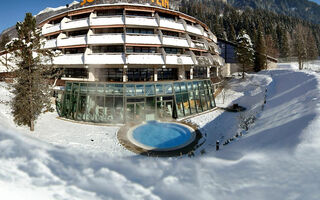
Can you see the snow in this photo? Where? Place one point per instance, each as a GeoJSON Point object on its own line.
{"type": "Point", "coordinates": [277, 158]}
{"type": "Point", "coordinates": [49, 9]}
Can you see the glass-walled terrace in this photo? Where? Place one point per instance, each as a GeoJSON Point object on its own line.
{"type": "Point", "coordinates": [121, 103]}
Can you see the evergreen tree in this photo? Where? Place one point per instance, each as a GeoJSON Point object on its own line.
{"type": "Point", "coordinates": [245, 52]}
{"type": "Point", "coordinates": [31, 88]}
{"type": "Point", "coordinates": [260, 50]}
{"type": "Point", "coordinates": [312, 50]}
{"type": "Point", "coordinates": [4, 40]}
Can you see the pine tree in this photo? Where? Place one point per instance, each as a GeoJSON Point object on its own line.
{"type": "Point", "coordinates": [260, 50]}
{"type": "Point", "coordinates": [312, 50]}
{"type": "Point", "coordinates": [31, 89]}
{"type": "Point", "coordinates": [4, 40]}
{"type": "Point", "coordinates": [245, 52]}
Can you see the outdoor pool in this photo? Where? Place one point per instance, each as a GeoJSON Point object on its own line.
{"type": "Point", "coordinates": [160, 136]}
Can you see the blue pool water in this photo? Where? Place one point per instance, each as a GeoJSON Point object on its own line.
{"type": "Point", "coordinates": [162, 135]}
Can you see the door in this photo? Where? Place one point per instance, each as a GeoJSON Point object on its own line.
{"type": "Point", "coordinates": [135, 112]}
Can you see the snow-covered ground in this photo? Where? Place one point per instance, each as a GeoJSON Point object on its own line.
{"type": "Point", "coordinates": [277, 158]}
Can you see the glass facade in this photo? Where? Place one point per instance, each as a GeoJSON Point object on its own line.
{"type": "Point", "coordinates": [121, 103]}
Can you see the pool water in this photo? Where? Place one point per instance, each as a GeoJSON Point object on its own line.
{"type": "Point", "coordinates": [159, 135]}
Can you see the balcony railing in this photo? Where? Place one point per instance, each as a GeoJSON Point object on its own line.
{"type": "Point", "coordinates": [194, 30]}
{"type": "Point", "coordinates": [141, 21]}
{"type": "Point", "coordinates": [143, 58]}
{"type": "Point", "coordinates": [171, 24]}
{"type": "Point", "coordinates": [50, 44]}
{"type": "Point", "coordinates": [107, 20]}
{"type": "Point", "coordinates": [109, 38]}
{"type": "Point", "coordinates": [173, 59]}
{"type": "Point", "coordinates": [49, 28]}
{"type": "Point", "coordinates": [142, 39]}
{"type": "Point", "coordinates": [198, 45]}
{"type": "Point", "coordinates": [175, 41]}
{"type": "Point", "coordinates": [69, 59]}
{"type": "Point", "coordinates": [72, 41]}
{"type": "Point", "coordinates": [79, 23]}
{"type": "Point", "coordinates": [103, 58]}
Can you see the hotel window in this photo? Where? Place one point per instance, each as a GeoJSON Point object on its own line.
{"type": "Point", "coordinates": [170, 33]}
{"type": "Point", "coordinates": [141, 50]}
{"type": "Point", "coordinates": [108, 30]}
{"type": "Point", "coordinates": [75, 73]}
{"type": "Point", "coordinates": [82, 16]}
{"type": "Point", "coordinates": [199, 72]}
{"type": "Point", "coordinates": [75, 50]}
{"type": "Point", "coordinates": [110, 74]}
{"type": "Point", "coordinates": [109, 12]}
{"type": "Point", "coordinates": [140, 74]}
{"type": "Point", "coordinates": [166, 16]}
{"type": "Point", "coordinates": [167, 74]}
{"type": "Point", "coordinates": [138, 13]}
{"type": "Point", "coordinates": [172, 50]}
{"type": "Point", "coordinates": [140, 31]}
{"type": "Point", "coordinates": [107, 49]}
{"type": "Point", "coordinates": [57, 21]}
{"type": "Point", "coordinates": [78, 33]}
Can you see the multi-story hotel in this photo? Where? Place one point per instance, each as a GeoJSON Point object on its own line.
{"type": "Point", "coordinates": [132, 61]}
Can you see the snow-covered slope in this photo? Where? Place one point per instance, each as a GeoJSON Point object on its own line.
{"type": "Point", "coordinates": [277, 158]}
{"type": "Point", "coordinates": [49, 9]}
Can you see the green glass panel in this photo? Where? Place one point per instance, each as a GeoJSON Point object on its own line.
{"type": "Point", "coordinates": [100, 88]}
{"type": "Point", "coordinates": [159, 89]}
{"type": "Point", "coordinates": [83, 87]}
{"type": "Point", "coordinates": [68, 87]}
{"type": "Point", "coordinates": [190, 86]}
{"type": "Point", "coordinates": [140, 90]}
{"type": "Point", "coordinates": [168, 89]}
{"type": "Point", "coordinates": [150, 90]}
{"type": "Point", "coordinates": [130, 90]}
{"type": "Point", "coordinates": [118, 89]}
{"type": "Point", "coordinates": [177, 88]}
{"type": "Point", "coordinates": [183, 87]}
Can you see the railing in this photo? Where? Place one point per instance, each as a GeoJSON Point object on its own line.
{"type": "Point", "coordinates": [107, 20]}
{"type": "Point", "coordinates": [50, 44]}
{"type": "Point", "coordinates": [103, 58]}
{"type": "Point", "coordinates": [50, 28]}
{"type": "Point", "coordinates": [71, 41]}
{"type": "Point", "coordinates": [171, 24]}
{"type": "Point", "coordinates": [79, 23]}
{"type": "Point", "coordinates": [69, 59]}
{"type": "Point", "coordinates": [143, 39]}
{"type": "Point", "coordinates": [175, 41]}
{"type": "Point", "coordinates": [174, 59]}
{"type": "Point", "coordinates": [145, 58]}
{"type": "Point", "coordinates": [141, 21]}
{"type": "Point", "coordinates": [109, 38]}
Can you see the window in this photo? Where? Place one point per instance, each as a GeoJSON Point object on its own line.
{"type": "Point", "coordinates": [110, 74]}
{"type": "Point", "coordinates": [140, 74]}
{"type": "Point", "coordinates": [109, 12]}
{"type": "Point", "coordinates": [166, 16]}
{"type": "Point", "coordinates": [172, 50]}
{"type": "Point", "coordinates": [170, 33]}
{"type": "Point", "coordinates": [75, 50]}
{"type": "Point", "coordinates": [107, 49]}
{"type": "Point", "coordinates": [82, 16]}
{"type": "Point", "coordinates": [141, 50]}
{"type": "Point", "coordinates": [140, 31]}
{"type": "Point", "coordinates": [77, 33]}
{"type": "Point", "coordinates": [75, 73]}
{"type": "Point", "coordinates": [167, 74]}
{"type": "Point", "coordinates": [138, 13]}
{"type": "Point", "coordinates": [199, 72]}
{"type": "Point", "coordinates": [108, 30]}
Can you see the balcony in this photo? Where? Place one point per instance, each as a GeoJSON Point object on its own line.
{"type": "Point", "coordinates": [105, 58]}
{"type": "Point", "coordinates": [141, 21]}
{"type": "Point", "coordinates": [112, 38]}
{"type": "Point", "coordinates": [175, 41]}
{"type": "Point", "coordinates": [72, 41]}
{"type": "Point", "coordinates": [194, 30]}
{"type": "Point", "coordinates": [74, 24]}
{"type": "Point", "coordinates": [204, 61]}
{"type": "Point", "coordinates": [179, 60]}
{"type": "Point", "coordinates": [198, 45]}
{"type": "Point", "coordinates": [50, 44]}
{"type": "Point", "coordinates": [107, 21]}
{"type": "Point", "coordinates": [141, 58]}
{"type": "Point", "coordinates": [69, 59]}
{"type": "Point", "coordinates": [142, 39]}
{"type": "Point", "coordinates": [49, 28]}
{"type": "Point", "coordinates": [171, 24]}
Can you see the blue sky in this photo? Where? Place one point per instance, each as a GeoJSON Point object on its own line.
{"type": "Point", "coordinates": [12, 11]}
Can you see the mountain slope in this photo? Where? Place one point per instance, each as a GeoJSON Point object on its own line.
{"type": "Point", "coordinates": [304, 9]}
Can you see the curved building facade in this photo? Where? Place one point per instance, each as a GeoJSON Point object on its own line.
{"type": "Point", "coordinates": [125, 62]}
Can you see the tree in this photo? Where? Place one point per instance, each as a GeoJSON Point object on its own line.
{"type": "Point", "coordinates": [260, 51]}
{"type": "Point", "coordinates": [271, 49]}
{"type": "Point", "coordinates": [245, 52]}
{"type": "Point", "coordinates": [4, 40]}
{"type": "Point", "coordinates": [31, 88]}
{"type": "Point", "coordinates": [300, 47]}
{"type": "Point", "coordinates": [312, 49]}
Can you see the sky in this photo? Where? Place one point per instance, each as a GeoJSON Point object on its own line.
{"type": "Point", "coordinates": [12, 11]}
